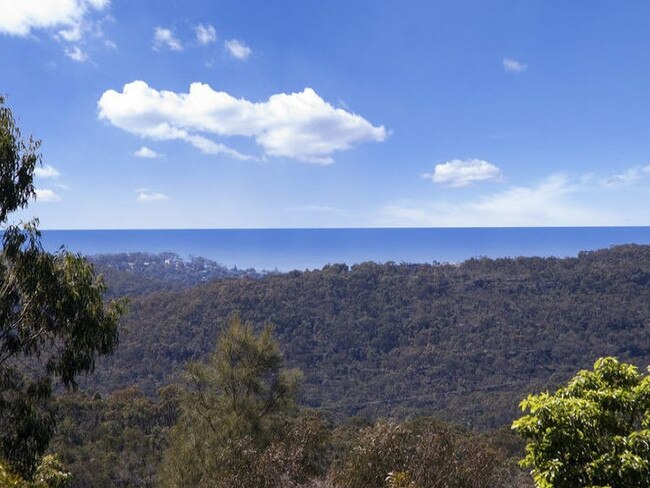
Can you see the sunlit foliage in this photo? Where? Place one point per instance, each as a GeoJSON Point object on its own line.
{"type": "Point", "coordinates": [593, 432]}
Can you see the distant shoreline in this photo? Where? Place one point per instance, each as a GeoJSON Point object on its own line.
{"type": "Point", "coordinates": [290, 249]}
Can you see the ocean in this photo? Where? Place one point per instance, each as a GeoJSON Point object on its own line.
{"type": "Point", "coordinates": [289, 249]}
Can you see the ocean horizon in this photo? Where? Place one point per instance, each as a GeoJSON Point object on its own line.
{"type": "Point", "coordinates": [290, 249]}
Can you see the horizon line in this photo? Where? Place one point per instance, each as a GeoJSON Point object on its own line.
{"type": "Point", "coordinates": [123, 229]}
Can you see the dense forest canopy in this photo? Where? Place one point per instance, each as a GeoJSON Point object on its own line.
{"type": "Point", "coordinates": [463, 342]}
{"type": "Point", "coordinates": [233, 421]}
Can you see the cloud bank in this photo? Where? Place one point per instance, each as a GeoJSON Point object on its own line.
{"type": "Point", "coordinates": [628, 177]}
{"type": "Point", "coordinates": [553, 201]}
{"type": "Point", "coordinates": [299, 126]}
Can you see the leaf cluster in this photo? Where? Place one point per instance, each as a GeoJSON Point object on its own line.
{"type": "Point", "coordinates": [595, 431]}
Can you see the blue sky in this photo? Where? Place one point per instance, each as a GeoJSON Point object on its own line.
{"type": "Point", "coordinates": [202, 114]}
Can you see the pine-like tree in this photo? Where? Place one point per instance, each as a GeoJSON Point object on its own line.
{"type": "Point", "coordinates": [235, 406]}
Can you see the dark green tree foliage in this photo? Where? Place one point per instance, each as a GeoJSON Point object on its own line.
{"type": "Point", "coordinates": [116, 441]}
{"type": "Point", "coordinates": [593, 432]}
{"type": "Point", "coordinates": [53, 322]}
{"type": "Point", "coordinates": [236, 405]}
{"type": "Point", "coordinates": [18, 159]}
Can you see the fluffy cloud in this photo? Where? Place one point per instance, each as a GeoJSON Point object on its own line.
{"type": "Point", "coordinates": [238, 49]}
{"type": "Point", "coordinates": [46, 171]}
{"type": "Point", "coordinates": [46, 195]}
{"type": "Point", "coordinates": [146, 153]}
{"type": "Point", "coordinates": [514, 66]}
{"type": "Point", "coordinates": [68, 19]}
{"type": "Point", "coordinates": [21, 17]}
{"type": "Point", "coordinates": [552, 202]}
{"type": "Point", "coordinates": [164, 38]}
{"type": "Point", "coordinates": [148, 196]}
{"type": "Point", "coordinates": [299, 125]}
{"type": "Point", "coordinates": [458, 173]}
{"type": "Point", "coordinates": [205, 34]}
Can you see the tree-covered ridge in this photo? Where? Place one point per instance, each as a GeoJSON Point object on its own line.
{"type": "Point", "coordinates": [463, 342]}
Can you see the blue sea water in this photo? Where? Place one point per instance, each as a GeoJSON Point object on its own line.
{"type": "Point", "coordinates": [288, 249]}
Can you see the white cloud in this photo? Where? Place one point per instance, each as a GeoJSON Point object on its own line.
{"type": "Point", "coordinates": [628, 177]}
{"type": "Point", "coordinates": [299, 125]}
{"type": "Point", "coordinates": [205, 34]}
{"type": "Point", "coordinates": [514, 66]}
{"type": "Point", "coordinates": [21, 17]}
{"type": "Point", "coordinates": [208, 146]}
{"type": "Point", "coordinates": [543, 204]}
{"type": "Point", "coordinates": [165, 38]}
{"type": "Point", "coordinates": [457, 173]}
{"type": "Point", "coordinates": [552, 202]}
{"type": "Point", "coordinates": [76, 54]}
{"type": "Point", "coordinates": [46, 171]}
{"type": "Point", "coordinates": [146, 153]}
{"type": "Point", "coordinates": [46, 195]}
{"type": "Point", "coordinates": [68, 20]}
{"type": "Point", "coordinates": [149, 196]}
{"type": "Point", "coordinates": [238, 49]}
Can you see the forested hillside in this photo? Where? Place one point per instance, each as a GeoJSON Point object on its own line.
{"type": "Point", "coordinates": [463, 342]}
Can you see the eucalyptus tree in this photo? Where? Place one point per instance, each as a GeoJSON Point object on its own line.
{"type": "Point", "coordinates": [53, 320]}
